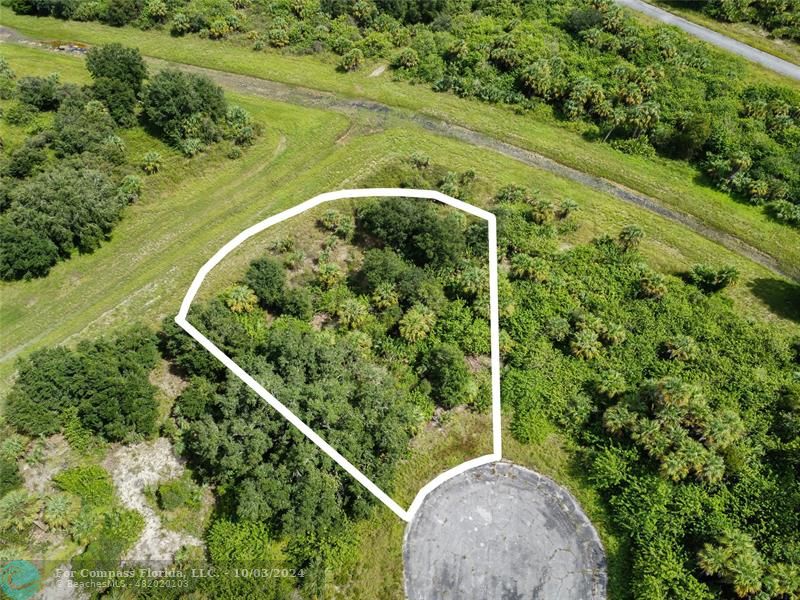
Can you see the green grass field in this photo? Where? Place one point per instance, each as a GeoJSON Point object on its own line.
{"type": "Point", "coordinates": [193, 207]}
{"type": "Point", "coordinates": [674, 183]}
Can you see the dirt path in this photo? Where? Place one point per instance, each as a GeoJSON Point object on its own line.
{"type": "Point", "coordinates": [133, 468]}
{"type": "Point", "coordinates": [308, 97]}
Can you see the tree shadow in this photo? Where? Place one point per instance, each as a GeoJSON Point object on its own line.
{"type": "Point", "coordinates": [782, 297]}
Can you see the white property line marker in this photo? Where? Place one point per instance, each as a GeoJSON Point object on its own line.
{"type": "Point", "coordinates": [494, 322]}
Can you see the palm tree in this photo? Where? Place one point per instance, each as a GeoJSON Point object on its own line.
{"type": "Point", "coordinates": [611, 384]}
{"type": "Point", "coordinates": [473, 280]}
{"type": "Point", "coordinates": [674, 466]}
{"type": "Point", "coordinates": [61, 509]}
{"type": "Point", "coordinates": [714, 559]}
{"type": "Point", "coordinates": [682, 348]}
{"type": "Point", "coordinates": [714, 468]}
{"type": "Point", "coordinates": [652, 285]}
{"type": "Point", "coordinates": [747, 570]}
{"type": "Point", "coordinates": [329, 274]}
{"type": "Point", "coordinates": [619, 417]}
{"type": "Point", "coordinates": [782, 579]}
{"type": "Point", "coordinates": [353, 312]}
{"type": "Point", "coordinates": [723, 428]}
{"type": "Point", "coordinates": [417, 323]}
{"type": "Point", "coordinates": [586, 345]}
{"type": "Point", "coordinates": [385, 296]}
{"type": "Point", "coordinates": [542, 212]}
{"type": "Point", "coordinates": [566, 208]}
{"type": "Point", "coordinates": [614, 334]}
{"type": "Point", "coordinates": [241, 299]}
{"type": "Point", "coordinates": [630, 237]}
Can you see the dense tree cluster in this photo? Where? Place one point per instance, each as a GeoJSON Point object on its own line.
{"type": "Point", "coordinates": [645, 89]}
{"type": "Point", "coordinates": [105, 381]}
{"type": "Point", "coordinates": [64, 188]}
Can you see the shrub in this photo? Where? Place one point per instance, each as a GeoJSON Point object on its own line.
{"type": "Point", "coordinates": [267, 278]}
{"type": "Point", "coordinates": [60, 510]}
{"type": "Point", "coordinates": [446, 369]}
{"type": "Point", "coordinates": [118, 63]}
{"type": "Point", "coordinates": [710, 279]}
{"type": "Point", "coordinates": [172, 97]}
{"type": "Point", "coordinates": [9, 476]}
{"type": "Point", "coordinates": [177, 493]}
{"type": "Point", "coordinates": [39, 92]}
{"type": "Point", "coordinates": [351, 60]}
{"type": "Point", "coordinates": [91, 484]}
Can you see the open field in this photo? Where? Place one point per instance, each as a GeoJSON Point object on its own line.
{"type": "Point", "coordinates": [193, 207]}
{"type": "Point", "coordinates": [747, 33]}
{"type": "Point", "coordinates": [672, 183]}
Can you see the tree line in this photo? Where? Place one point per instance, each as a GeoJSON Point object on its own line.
{"type": "Point", "coordinates": [646, 90]}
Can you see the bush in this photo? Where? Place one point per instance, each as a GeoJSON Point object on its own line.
{"type": "Point", "coordinates": [267, 278]}
{"type": "Point", "coordinates": [179, 493]}
{"type": "Point", "coordinates": [118, 63]}
{"type": "Point", "coordinates": [92, 484]}
{"type": "Point", "coordinates": [151, 162]}
{"type": "Point", "coordinates": [171, 98]}
{"type": "Point", "coordinates": [351, 60]}
{"type": "Point", "coordinates": [39, 92]}
{"type": "Point", "coordinates": [106, 380]}
{"type": "Point", "coordinates": [710, 279]}
{"type": "Point", "coordinates": [446, 369]}
{"type": "Point", "coordinates": [10, 478]}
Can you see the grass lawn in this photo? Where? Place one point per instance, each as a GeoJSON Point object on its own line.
{"type": "Point", "coordinates": [747, 33]}
{"type": "Point", "coordinates": [674, 183]}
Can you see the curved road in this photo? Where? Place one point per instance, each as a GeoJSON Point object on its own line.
{"type": "Point", "coordinates": [784, 67]}
{"type": "Point", "coordinates": [302, 96]}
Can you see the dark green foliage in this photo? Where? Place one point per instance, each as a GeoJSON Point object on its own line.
{"type": "Point", "coordinates": [446, 370]}
{"type": "Point", "coordinates": [267, 278]}
{"type": "Point", "coordinates": [117, 62]}
{"type": "Point", "coordinates": [72, 208]}
{"type": "Point", "coordinates": [107, 380]}
{"type": "Point", "coordinates": [118, 98]}
{"type": "Point", "coordinates": [121, 12]}
{"type": "Point", "coordinates": [24, 253]}
{"type": "Point", "coordinates": [9, 476]}
{"type": "Point", "coordinates": [359, 405]}
{"type": "Point", "coordinates": [81, 126]}
{"type": "Point", "coordinates": [40, 92]}
{"type": "Point", "coordinates": [24, 160]}
{"type": "Point", "coordinates": [184, 105]}
{"type": "Point", "coordinates": [416, 229]}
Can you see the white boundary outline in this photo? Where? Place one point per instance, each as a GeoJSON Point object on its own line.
{"type": "Point", "coordinates": [182, 320]}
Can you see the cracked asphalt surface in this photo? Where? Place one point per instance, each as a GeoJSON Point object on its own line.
{"type": "Point", "coordinates": [502, 532]}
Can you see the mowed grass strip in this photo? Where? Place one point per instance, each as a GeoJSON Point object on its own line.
{"type": "Point", "coordinates": [675, 183]}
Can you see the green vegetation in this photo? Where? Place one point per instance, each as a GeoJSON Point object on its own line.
{"type": "Point", "coordinates": [644, 89]}
{"type": "Point", "coordinates": [105, 380]}
{"type": "Point", "coordinates": [781, 19]}
{"type": "Point", "coordinates": [674, 183]}
{"type": "Point", "coordinates": [64, 187]}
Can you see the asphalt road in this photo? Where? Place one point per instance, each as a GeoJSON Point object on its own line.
{"type": "Point", "coordinates": [764, 59]}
